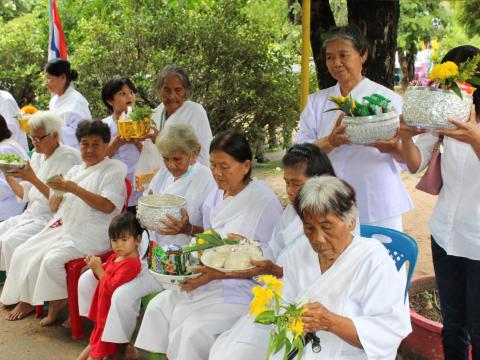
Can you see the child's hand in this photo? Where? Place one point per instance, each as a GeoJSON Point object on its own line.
{"type": "Point", "coordinates": [93, 262]}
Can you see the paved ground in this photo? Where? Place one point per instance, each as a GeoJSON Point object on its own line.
{"type": "Point", "coordinates": [27, 340]}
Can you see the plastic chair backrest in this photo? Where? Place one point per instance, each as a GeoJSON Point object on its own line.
{"type": "Point", "coordinates": [128, 185]}
{"type": "Point", "coordinates": [401, 247]}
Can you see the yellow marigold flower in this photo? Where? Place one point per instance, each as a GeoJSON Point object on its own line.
{"type": "Point", "coordinates": [272, 283]}
{"type": "Point", "coordinates": [28, 109]}
{"type": "Point", "coordinates": [262, 297]}
{"type": "Point", "coordinates": [303, 311]}
{"type": "Point", "coordinates": [296, 327]}
{"type": "Point", "coordinates": [443, 71]}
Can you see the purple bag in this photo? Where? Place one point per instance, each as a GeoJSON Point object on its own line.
{"type": "Point", "coordinates": [431, 182]}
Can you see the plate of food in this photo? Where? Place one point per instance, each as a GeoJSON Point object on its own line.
{"type": "Point", "coordinates": [228, 258]}
{"type": "Point", "coordinates": [11, 162]}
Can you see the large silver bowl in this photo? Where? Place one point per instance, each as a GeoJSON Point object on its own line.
{"type": "Point", "coordinates": [369, 129]}
{"type": "Point", "coordinates": [430, 108]}
{"type": "Point", "coordinates": [153, 208]}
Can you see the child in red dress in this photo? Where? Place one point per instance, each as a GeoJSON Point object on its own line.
{"type": "Point", "coordinates": [122, 266]}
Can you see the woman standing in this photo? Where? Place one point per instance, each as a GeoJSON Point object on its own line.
{"type": "Point", "coordinates": [174, 88]}
{"type": "Point", "coordinates": [455, 222]}
{"type": "Point", "coordinates": [66, 102]}
{"type": "Point", "coordinates": [373, 171]}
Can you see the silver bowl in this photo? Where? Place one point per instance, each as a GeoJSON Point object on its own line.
{"type": "Point", "coordinates": [153, 208]}
{"type": "Point", "coordinates": [430, 108]}
{"type": "Point", "coordinates": [369, 129]}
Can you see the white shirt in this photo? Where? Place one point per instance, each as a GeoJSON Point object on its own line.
{"type": "Point", "coordinates": [9, 109]}
{"type": "Point", "coordinates": [72, 107]}
{"type": "Point", "coordinates": [193, 114]}
{"type": "Point", "coordinates": [455, 221]}
{"type": "Point", "coordinates": [10, 206]}
{"type": "Point", "coordinates": [375, 177]}
{"type": "Point", "coordinates": [129, 155]}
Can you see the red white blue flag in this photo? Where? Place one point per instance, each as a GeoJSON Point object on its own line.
{"type": "Point", "coordinates": [57, 47]}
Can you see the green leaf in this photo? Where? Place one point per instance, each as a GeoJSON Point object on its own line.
{"type": "Point", "coordinates": [231, 241]}
{"type": "Point", "coordinates": [474, 81]}
{"type": "Point", "coordinates": [456, 90]}
{"type": "Point", "coordinates": [189, 249]}
{"type": "Point", "coordinates": [210, 239]}
{"type": "Point", "coordinates": [266, 317]}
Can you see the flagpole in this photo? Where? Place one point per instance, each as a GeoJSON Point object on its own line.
{"type": "Point", "coordinates": [304, 73]}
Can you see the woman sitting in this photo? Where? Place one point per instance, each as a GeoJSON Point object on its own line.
{"type": "Point", "coordinates": [175, 89]}
{"type": "Point", "coordinates": [8, 146]}
{"type": "Point", "coordinates": [86, 200]}
{"type": "Point", "coordinates": [185, 325]}
{"type": "Point", "coordinates": [182, 176]}
{"type": "Point", "coordinates": [50, 158]}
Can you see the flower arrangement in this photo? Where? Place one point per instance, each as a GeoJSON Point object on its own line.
{"type": "Point", "coordinates": [267, 308]}
{"type": "Point", "coordinates": [374, 104]}
{"type": "Point", "coordinates": [25, 113]}
{"type": "Point", "coordinates": [207, 240]}
{"type": "Point", "coordinates": [139, 113]}
{"type": "Point", "coordinates": [457, 78]}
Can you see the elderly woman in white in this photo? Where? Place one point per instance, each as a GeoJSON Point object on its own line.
{"type": "Point", "coordinates": [183, 176]}
{"type": "Point", "coordinates": [373, 171]}
{"type": "Point", "coordinates": [86, 200]}
{"type": "Point", "coordinates": [66, 102]}
{"type": "Point", "coordinates": [354, 295]}
{"type": "Point", "coordinates": [175, 89]}
{"type": "Point", "coordinates": [182, 324]}
{"type": "Point", "coordinates": [50, 158]}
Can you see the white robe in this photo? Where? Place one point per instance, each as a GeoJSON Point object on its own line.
{"type": "Point", "coordinates": [9, 109]}
{"type": "Point", "coordinates": [193, 114]}
{"type": "Point", "coordinates": [185, 325]}
{"type": "Point", "coordinates": [37, 270]}
{"type": "Point", "coordinates": [10, 206]}
{"type": "Point", "coordinates": [18, 229]}
{"type": "Point", "coordinates": [363, 285]}
{"type": "Point", "coordinates": [72, 107]}
{"type": "Point", "coordinates": [380, 192]}
{"type": "Point", "coordinates": [125, 304]}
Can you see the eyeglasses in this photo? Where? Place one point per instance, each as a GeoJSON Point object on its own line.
{"type": "Point", "coordinates": [37, 139]}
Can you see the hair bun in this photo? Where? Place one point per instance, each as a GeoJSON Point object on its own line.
{"type": "Point", "coordinates": [73, 75]}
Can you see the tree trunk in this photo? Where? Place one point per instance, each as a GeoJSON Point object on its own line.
{"type": "Point", "coordinates": [321, 21]}
{"type": "Point", "coordinates": [378, 20]}
{"type": "Point", "coordinates": [407, 65]}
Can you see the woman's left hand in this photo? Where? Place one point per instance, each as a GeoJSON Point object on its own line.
{"type": "Point", "coordinates": [467, 132]}
{"type": "Point", "coordinates": [317, 317]}
{"type": "Point", "coordinates": [173, 226]}
{"type": "Point", "coordinates": [207, 275]}
{"type": "Point", "coordinates": [62, 185]}
{"type": "Point", "coordinates": [391, 146]}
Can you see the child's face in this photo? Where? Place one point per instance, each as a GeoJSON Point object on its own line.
{"type": "Point", "coordinates": [125, 245]}
{"type": "Point", "coordinates": [122, 100]}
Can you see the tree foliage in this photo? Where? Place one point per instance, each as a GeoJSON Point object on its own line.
{"type": "Point", "coordinates": [240, 62]}
{"type": "Point", "coordinates": [469, 16]}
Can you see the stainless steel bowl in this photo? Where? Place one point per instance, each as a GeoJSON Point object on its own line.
{"type": "Point", "coordinates": [153, 208]}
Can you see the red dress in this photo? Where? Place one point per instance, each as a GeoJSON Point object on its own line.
{"type": "Point", "coordinates": [116, 274]}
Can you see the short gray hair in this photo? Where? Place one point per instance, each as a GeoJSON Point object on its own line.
{"type": "Point", "coordinates": [46, 120]}
{"type": "Point", "coordinates": [177, 137]}
{"type": "Point", "coordinates": [350, 33]}
{"type": "Point", "coordinates": [175, 70]}
{"type": "Point", "coordinates": [327, 195]}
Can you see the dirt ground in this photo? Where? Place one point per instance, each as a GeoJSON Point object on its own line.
{"type": "Point", "coordinates": [26, 340]}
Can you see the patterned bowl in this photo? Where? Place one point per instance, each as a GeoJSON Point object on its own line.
{"type": "Point", "coordinates": [153, 208]}
{"type": "Point", "coordinates": [171, 282]}
{"type": "Point", "coordinates": [368, 129]}
{"type": "Point", "coordinates": [427, 107]}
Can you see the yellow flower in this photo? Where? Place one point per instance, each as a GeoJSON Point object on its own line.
{"type": "Point", "coordinates": [296, 327]}
{"type": "Point", "coordinates": [443, 71]}
{"type": "Point", "coordinates": [28, 110]}
{"type": "Point", "coordinates": [262, 297]}
{"type": "Point", "coordinates": [272, 283]}
{"type": "Point", "coordinates": [201, 241]}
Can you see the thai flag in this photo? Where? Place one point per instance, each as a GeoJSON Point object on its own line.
{"type": "Point", "coordinates": [57, 47]}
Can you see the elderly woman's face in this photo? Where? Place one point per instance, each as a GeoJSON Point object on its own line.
{"type": "Point", "coordinates": [173, 93]}
{"type": "Point", "coordinates": [42, 142]}
{"type": "Point", "coordinates": [328, 235]}
{"type": "Point", "coordinates": [92, 149]}
{"type": "Point", "coordinates": [55, 84]}
{"type": "Point", "coordinates": [294, 180]}
{"type": "Point", "coordinates": [227, 171]}
{"type": "Point", "coordinates": [344, 62]}
{"type": "Point", "coordinates": [177, 162]}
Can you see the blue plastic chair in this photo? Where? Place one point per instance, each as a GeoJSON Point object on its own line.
{"type": "Point", "coordinates": [400, 246]}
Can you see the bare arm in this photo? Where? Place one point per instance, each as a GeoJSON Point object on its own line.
{"type": "Point", "coordinates": [54, 203]}
{"type": "Point", "coordinates": [16, 187]}
{"type": "Point", "coordinates": [27, 174]}
{"type": "Point", "coordinates": [411, 154]}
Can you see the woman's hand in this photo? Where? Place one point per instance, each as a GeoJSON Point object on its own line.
{"type": "Point", "coordinates": [317, 317]}
{"type": "Point", "coordinates": [62, 185]}
{"type": "Point", "coordinates": [467, 132]}
{"type": "Point", "coordinates": [262, 267]}
{"type": "Point", "coordinates": [407, 132]}
{"type": "Point", "coordinates": [26, 174]}
{"type": "Point", "coordinates": [153, 133]}
{"type": "Point", "coordinates": [391, 146]}
{"type": "Point", "coordinates": [338, 136]}
{"type": "Point", "coordinates": [207, 275]}
{"type": "Point", "coordinates": [173, 226]}
{"type": "Point", "coordinates": [93, 262]}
